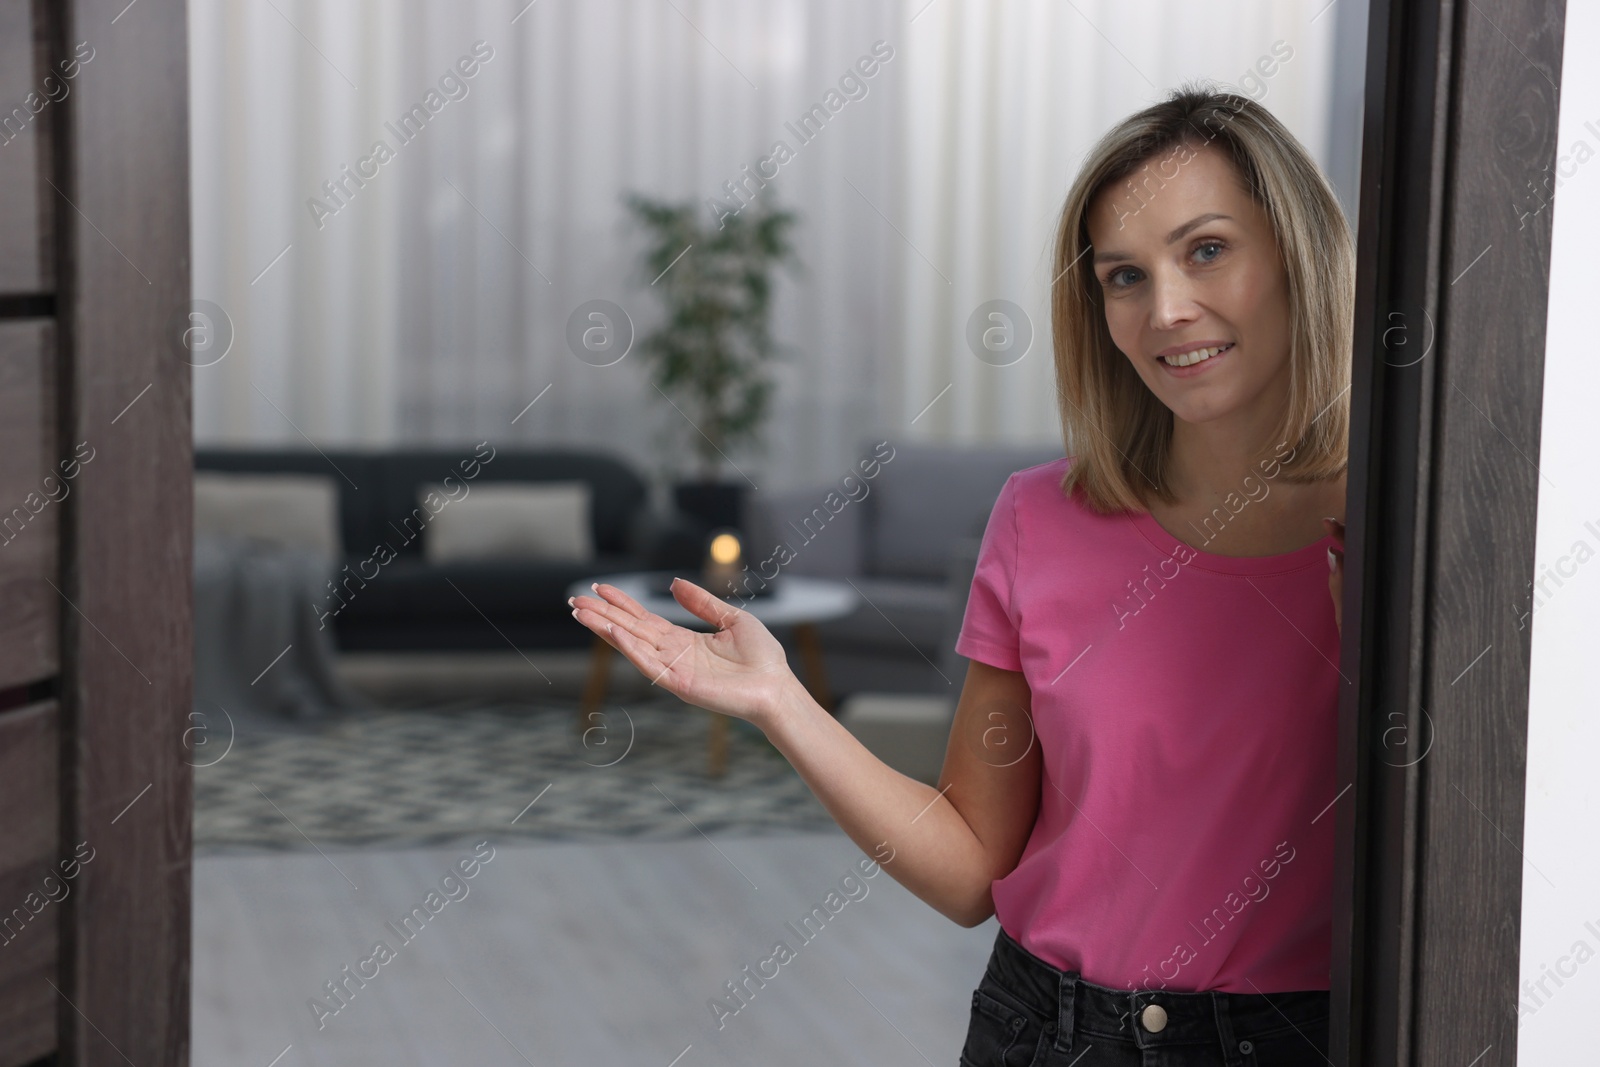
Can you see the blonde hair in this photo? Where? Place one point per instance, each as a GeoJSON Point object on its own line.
{"type": "Point", "coordinates": [1120, 430]}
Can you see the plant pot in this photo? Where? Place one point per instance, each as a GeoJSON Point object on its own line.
{"type": "Point", "coordinates": [712, 503]}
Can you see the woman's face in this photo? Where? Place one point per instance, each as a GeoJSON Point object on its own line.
{"type": "Point", "coordinates": [1190, 263]}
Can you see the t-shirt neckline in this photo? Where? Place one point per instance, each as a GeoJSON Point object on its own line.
{"type": "Point", "coordinates": [1158, 536]}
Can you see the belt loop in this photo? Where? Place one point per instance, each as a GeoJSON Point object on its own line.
{"type": "Point", "coordinates": [1220, 1004]}
{"type": "Point", "coordinates": [1066, 1011]}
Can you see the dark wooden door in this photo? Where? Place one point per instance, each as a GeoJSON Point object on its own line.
{"type": "Point", "coordinates": [95, 642]}
{"type": "Point", "coordinates": [1453, 278]}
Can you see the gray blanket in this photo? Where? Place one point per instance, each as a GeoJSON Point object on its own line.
{"type": "Point", "coordinates": [258, 648]}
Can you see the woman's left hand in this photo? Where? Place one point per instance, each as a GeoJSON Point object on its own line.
{"type": "Point", "coordinates": [1335, 529]}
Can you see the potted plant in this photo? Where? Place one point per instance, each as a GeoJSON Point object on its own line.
{"type": "Point", "coordinates": [712, 355]}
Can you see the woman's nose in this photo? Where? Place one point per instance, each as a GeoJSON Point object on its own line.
{"type": "Point", "coordinates": [1171, 301]}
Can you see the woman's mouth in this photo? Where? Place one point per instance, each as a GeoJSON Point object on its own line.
{"type": "Point", "coordinates": [1190, 363]}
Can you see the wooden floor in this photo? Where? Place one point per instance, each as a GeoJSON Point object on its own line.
{"type": "Point", "coordinates": [576, 954]}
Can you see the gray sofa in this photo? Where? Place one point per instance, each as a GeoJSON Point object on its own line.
{"type": "Point", "coordinates": [908, 542]}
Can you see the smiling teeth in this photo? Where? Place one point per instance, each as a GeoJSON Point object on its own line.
{"type": "Point", "coordinates": [1189, 358]}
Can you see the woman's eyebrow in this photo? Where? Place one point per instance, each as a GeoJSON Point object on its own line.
{"type": "Point", "coordinates": [1175, 235]}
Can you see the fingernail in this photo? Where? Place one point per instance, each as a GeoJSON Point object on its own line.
{"type": "Point", "coordinates": [1333, 564]}
{"type": "Point", "coordinates": [574, 613]}
{"type": "Point", "coordinates": [674, 581]}
{"type": "Point", "coordinates": [572, 600]}
{"type": "Point", "coordinates": [595, 586]}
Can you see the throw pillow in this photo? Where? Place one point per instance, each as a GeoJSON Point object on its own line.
{"type": "Point", "coordinates": [523, 520]}
{"type": "Point", "coordinates": [288, 510]}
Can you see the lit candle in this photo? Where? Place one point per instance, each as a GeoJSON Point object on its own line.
{"type": "Point", "coordinates": [724, 563]}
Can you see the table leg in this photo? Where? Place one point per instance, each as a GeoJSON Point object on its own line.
{"type": "Point", "coordinates": [805, 634]}
{"type": "Point", "coordinates": [594, 691]}
{"type": "Point", "coordinates": [717, 755]}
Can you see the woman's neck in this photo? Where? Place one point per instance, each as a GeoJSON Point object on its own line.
{"type": "Point", "coordinates": [1228, 471]}
{"type": "Point", "coordinates": [1209, 461]}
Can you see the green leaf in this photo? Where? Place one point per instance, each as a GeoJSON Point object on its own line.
{"type": "Point", "coordinates": [712, 353]}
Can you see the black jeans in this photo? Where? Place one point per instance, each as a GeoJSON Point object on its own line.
{"type": "Point", "coordinates": [1026, 1013]}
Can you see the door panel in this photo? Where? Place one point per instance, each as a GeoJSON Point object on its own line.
{"type": "Point", "coordinates": [24, 142]}
{"type": "Point", "coordinates": [32, 887]}
{"type": "Point", "coordinates": [31, 494]}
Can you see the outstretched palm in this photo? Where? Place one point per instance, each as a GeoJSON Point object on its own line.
{"type": "Point", "coordinates": [739, 669]}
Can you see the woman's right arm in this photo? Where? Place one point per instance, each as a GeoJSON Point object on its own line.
{"type": "Point", "coordinates": [948, 844]}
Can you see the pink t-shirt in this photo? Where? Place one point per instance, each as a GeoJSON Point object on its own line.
{"type": "Point", "coordinates": [1186, 707]}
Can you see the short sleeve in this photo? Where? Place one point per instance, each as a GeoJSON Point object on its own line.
{"type": "Point", "coordinates": [988, 627]}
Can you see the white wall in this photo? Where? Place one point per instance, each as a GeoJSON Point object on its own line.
{"type": "Point", "coordinates": [1561, 829]}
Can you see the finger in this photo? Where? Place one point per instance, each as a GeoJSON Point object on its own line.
{"type": "Point", "coordinates": [605, 617]}
{"type": "Point", "coordinates": [702, 604]}
{"type": "Point", "coordinates": [622, 609]}
{"type": "Point", "coordinates": [593, 620]}
{"type": "Point", "coordinates": [641, 653]}
{"type": "Point", "coordinates": [1336, 586]}
{"type": "Point", "coordinates": [612, 595]}
{"type": "Point", "coordinates": [648, 651]}
{"type": "Point", "coordinates": [651, 659]}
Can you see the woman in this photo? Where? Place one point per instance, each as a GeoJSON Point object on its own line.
{"type": "Point", "coordinates": [1141, 764]}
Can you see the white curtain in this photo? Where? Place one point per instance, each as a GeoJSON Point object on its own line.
{"type": "Point", "coordinates": [427, 302]}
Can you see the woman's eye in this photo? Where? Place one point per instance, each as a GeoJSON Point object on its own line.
{"type": "Point", "coordinates": [1208, 252]}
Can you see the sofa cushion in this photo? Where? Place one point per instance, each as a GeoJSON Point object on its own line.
{"type": "Point", "coordinates": [617, 491]}
{"type": "Point", "coordinates": [514, 521]}
{"type": "Point", "coordinates": [354, 476]}
{"type": "Point", "coordinates": [927, 496]}
{"type": "Point", "coordinates": [287, 510]}
{"type": "Point", "coordinates": [797, 530]}
{"type": "Point", "coordinates": [898, 615]}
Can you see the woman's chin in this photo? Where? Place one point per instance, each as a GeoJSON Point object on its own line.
{"type": "Point", "coordinates": [1196, 413]}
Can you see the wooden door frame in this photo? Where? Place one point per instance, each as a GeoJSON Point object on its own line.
{"type": "Point", "coordinates": [1452, 284]}
{"type": "Point", "coordinates": [121, 171]}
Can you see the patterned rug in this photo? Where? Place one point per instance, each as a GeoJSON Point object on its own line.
{"type": "Point", "coordinates": [400, 778]}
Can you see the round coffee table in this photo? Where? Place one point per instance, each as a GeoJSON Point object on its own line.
{"type": "Point", "coordinates": [796, 601]}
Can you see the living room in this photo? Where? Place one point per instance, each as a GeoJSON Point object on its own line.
{"type": "Point", "coordinates": [495, 302]}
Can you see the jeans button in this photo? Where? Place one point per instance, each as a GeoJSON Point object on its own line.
{"type": "Point", "coordinates": [1016, 1024]}
{"type": "Point", "coordinates": [1246, 1047]}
